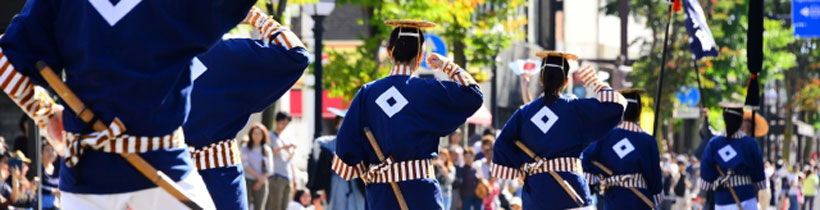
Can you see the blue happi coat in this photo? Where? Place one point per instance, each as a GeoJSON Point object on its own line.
{"type": "Point", "coordinates": [235, 78]}
{"type": "Point", "coordinates": [626, 150]}
{"type": "Point", "coordinates": [407, 116]}
{"type": "Point", "coordinates": [740, 154]}
{"type": "Point", "coordinates": [558, 130]}
{"type": "Point", "coordinates": [127, 60]}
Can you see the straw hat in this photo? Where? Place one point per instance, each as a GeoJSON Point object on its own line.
{"type": "Point", "coordinates": [761, 126]}
{"type": "Point", "coordinates": [567, 56]}
{"type": "Point", "coordinates": [422, 24]}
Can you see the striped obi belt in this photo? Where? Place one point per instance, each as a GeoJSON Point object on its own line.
{"type": "Point", "coordinates": [560, 164]}
{"type": "Point", "coordinates": [541, 165]}
{"type": "Point", "coordinates": [730, 180]}
{"type": "Point", "coordinates": [391, 171]}
{"type": "Point", "coordinates": [112, 140]}
{"type": "Point", "coordinates": [635, 180]}
{"type": "Point", "coordinates": [216, 155]}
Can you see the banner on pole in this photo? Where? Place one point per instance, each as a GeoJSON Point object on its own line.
{"type": "Point", "coordinates": [701, 41]}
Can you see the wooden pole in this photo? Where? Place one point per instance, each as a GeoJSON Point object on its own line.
{"type": "Point", "coordinates": [561, 182]}
{"type": "Point", "coordinates": [731, 190]}
{"type": "Point", "coordinates": [158, 177]}
{"type": "Point", "coordinates": [380, 155]}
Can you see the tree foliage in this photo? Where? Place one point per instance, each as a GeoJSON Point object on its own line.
{"type": "Point", "coordinates": [472, 35]}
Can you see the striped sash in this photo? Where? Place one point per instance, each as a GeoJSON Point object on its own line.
{"type": "Point", "coordinates": [111, 141]}
{"type": "Point", "coordinates": [561, 164]}
{"type": "Point", "coordinates": [730, 181]}
{"type": "Point", "coordinates": [390, 171]}
{"type": "Point", "coordinates": [635, 180]}
{"type": "Point", "coordinates": [216, 155]}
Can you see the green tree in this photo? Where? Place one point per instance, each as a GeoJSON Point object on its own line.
{"type": "Point", "coordinates": [469, 31]}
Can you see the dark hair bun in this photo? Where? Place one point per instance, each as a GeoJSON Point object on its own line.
{"type": "Point", "coordinates": [405, 48]}
{"type": "Point", "coordinates": [553, 76]}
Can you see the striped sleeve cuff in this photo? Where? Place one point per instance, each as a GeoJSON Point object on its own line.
{"type": "Point", "coordinates": [657, 198]}
{"type": "Point", "coordinates": [590, 78]}
{"type": "Point", "coordinates": [504, 172]}
{"type": "Point", "coordinates": [271, 31]}
{"type": "Point", "coordinates": [34, 100]}
{"type": "Point", "coordinates": [761, 185]}
{"type": "Point", "coordinates": [458, 75]}
{"type": "Point", "coordinates": [287, 39]}
{"type": "Point", "coordinates": [611, 96]}
{"type": "Point", "coordinates": [346, 171]}
{"type": "Point", "coordinates": [706, 185]}
{"type": "Point", "coordinates": [605, 93]}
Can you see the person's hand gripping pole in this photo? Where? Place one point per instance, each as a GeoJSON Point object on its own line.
{"type": "Point", "coordinates": [156, 176]}
{"type": "Point", "coordinates": [380, 155]}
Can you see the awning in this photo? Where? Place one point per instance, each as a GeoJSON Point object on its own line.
{"type": "Point", "coordinates": [296, 109]}
{"type": "Point", "coordinates": [481, 117]}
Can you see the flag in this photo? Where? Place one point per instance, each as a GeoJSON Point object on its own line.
{"type": "Point", "coordinates": [700, 37]}
{"type": "Point", "coordinates": [525, 66]}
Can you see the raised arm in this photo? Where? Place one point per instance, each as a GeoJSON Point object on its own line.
{"type": "Point", "coordinates": [460, 98]}
{"type": "Point", "coordinates": [271, 31]}
{"type": "Point", "coordinates": [602, 115]}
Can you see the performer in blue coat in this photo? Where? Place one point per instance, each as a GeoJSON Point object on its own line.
{"type": "Point", "coordinates": [631, 155]}
{"type": "Point", "coordinates": [407, 116]}
{"type": "Point", "coordinates": [129, 63]}
{"type": "Point", "coordinates": [739, 159]}
{"type": "Point", "coordinates": [259, 72]}
{"type": "Point", "coordinates": [557, 129]}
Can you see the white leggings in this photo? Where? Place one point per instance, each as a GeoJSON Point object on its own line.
{"type": "Point", "coordinates": [750, 204]}
{"type": "Point", "coordinates": [152, 198]}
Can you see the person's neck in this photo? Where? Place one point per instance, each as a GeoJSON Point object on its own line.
{"type": "Point", "coordinates": [403, 69]}
{"type": "Point", "coordinates": [278, 131]}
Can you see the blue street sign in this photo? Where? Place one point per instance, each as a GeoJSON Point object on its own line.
{"type": "Point", "coordinates": [806, 18]}
{"type": "Point", "coordinates": [434, 44]}
{"type": "Point", "coordinates": [688, 96]}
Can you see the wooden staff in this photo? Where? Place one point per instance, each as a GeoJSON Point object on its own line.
{"type": "Point", "coordinates": [561, 182]}
{"type": "Point", "coordinates": [731, 190]}
{"type": "Point", "coordinates": [637, 193]}
{"type": "Point", "coordinates": [158, 177]}
{"type": "Point", "coordinates": [380, 155]}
